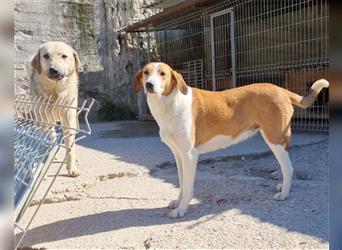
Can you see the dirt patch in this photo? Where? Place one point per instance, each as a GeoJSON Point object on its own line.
{"type": "Point", "coordinates": [55, 199]}
{"type": "Point", "coordinates": [110, 176]}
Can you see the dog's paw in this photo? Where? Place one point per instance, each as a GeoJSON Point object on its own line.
{"type": "Point", "coordinates": [173, 204]}
{"type": "Point", "coordinates": [279, 196]}
{"type": "Point", "coordinates": [177, 213]}
{"type": "Point", "coordinates": [73, 172]}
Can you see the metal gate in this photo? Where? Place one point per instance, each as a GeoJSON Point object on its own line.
{"type": "Point", "coordinates": [222, 50]}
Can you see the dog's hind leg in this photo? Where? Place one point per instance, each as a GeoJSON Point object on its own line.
{"type": "Point", "coordinates": [189, 163]}
{"type": "Point", "coordinates": [282, 155]}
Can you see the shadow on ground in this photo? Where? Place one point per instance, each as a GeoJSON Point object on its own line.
{"type": "Point", "coordinates": [249, 179]}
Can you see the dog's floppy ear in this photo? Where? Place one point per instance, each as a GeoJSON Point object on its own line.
{"type": "Point", "coordinates": [178, 82]}
{"type": "Point", "coordinates": [138, 81]}
{"type": "Point", "coordinates": [35, 63]}
{"type": "Point", "coordinates": [77, 62]}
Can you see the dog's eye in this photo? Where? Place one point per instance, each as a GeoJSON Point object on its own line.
{"type": "Point", "coordinates": [64, 56]}
{"type": "Point", "coordinates": [162, 73]}
{"type": "Point", "coordinates": [46, 56]}
{"type": "Point", "coordinates": [146, 72]}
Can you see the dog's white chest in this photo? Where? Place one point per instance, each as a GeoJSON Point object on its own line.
{"type": "Point", "coordinates": [174, 117]}
{"type": "Point", "coordinates": [171, 111]}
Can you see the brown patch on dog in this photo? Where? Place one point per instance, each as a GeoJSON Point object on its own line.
{"type": "Point", "coordinates": [234, 111]}
{"type": "Point", "coordinates": [178, 82]}
{"type": "Point", "coordinates": [35, 63]}
{"type": "Point", "coordinates": [138, 81]}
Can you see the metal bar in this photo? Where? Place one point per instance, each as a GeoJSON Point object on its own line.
{"type": "Point", "coordinates": [148, 46]}
{"type": "Point", "coordinates": [220, 13]}
{"type": "Point", "coordinates": [232, 38]}
{"type": "Point", "coordinates": [212, 35]}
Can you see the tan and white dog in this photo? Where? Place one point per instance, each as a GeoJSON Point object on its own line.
{"type": "Point", "coordinates": [56, 66]}
{"type": "Point", "coordinates": [194, 121]}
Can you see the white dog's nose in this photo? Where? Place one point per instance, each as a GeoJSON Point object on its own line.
{"type": "Point", "coordinates": [52, 71]}
{"type": "Point", "coordinates": [55, 74]}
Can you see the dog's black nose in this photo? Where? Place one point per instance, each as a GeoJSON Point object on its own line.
{"type": "Point", "coordinates": [55, 74]}
{"type": "Point", "coordinates": [52, 71]}
{"type": "Point", "coordinates": [149, 86]}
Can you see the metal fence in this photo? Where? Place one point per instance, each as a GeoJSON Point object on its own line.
{"type": "Point", "coordinates": [234, 43]}
{"type": "Point", "coordinates": [39, 132]}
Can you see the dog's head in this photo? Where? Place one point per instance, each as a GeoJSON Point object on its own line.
{"type": "Point", "coordinates": [56, 60]}
{"type": "Point", "coordinates": [159, 78]}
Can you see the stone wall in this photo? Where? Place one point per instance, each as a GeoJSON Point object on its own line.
{"type": "Point", "coordinates": [109, 58]}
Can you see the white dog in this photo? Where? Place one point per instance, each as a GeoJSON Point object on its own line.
{"type": "Point", "coordinates": [56, 66]}
{"type": "Point", "coordinates": [194, 121]}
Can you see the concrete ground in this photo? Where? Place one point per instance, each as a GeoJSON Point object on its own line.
{"type": "Point", "coordinates": [129, 176]}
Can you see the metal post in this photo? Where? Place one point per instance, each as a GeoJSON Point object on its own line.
{"type": "Point", "coordinates": [232, 38]}
{"type": "Point", "coordinates": [148, 46]}
{"type": "Point", "coordinates": [212, 36]}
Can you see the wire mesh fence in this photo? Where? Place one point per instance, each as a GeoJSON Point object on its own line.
{"type": "Point", "coordinates": [240, 42]}
{"type": "Point", "coordinates": [41, 126]}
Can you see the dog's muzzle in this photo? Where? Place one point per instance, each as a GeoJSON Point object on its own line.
{"type": "Point", "coordinates": [55, 74]}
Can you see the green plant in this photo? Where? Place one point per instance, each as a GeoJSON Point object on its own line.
{"type": "Point", "coordinates": [110, 111]}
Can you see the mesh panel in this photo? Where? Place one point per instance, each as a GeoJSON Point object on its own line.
{"type": "Point", "coordinates": [237, 43]}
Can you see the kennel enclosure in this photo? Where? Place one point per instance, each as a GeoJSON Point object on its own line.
{"type": "Point", "coordinates": [218, 45]}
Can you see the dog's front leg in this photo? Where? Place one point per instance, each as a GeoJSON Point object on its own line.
{"type": "Point", "coordinates": [69, 140]}
{"type": "Point", "coordinates": [189, 162]}
{"type": "Point", "coordinates": [167, 139]}
{"type": "Point", "coordinates": [175, 203]}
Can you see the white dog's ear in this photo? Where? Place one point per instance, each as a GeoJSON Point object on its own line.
{"type": "Point", "coordinates": [77, 62]}
{"type": "Point", "coordinates": [138, 81]}
{"type": "Point", "coordinates": [178, 82]}
{"type": "Point", "coordinates": [35, 63]}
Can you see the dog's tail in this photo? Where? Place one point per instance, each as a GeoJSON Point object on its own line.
{"type": "Point", "coordinates": [309, 99]}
